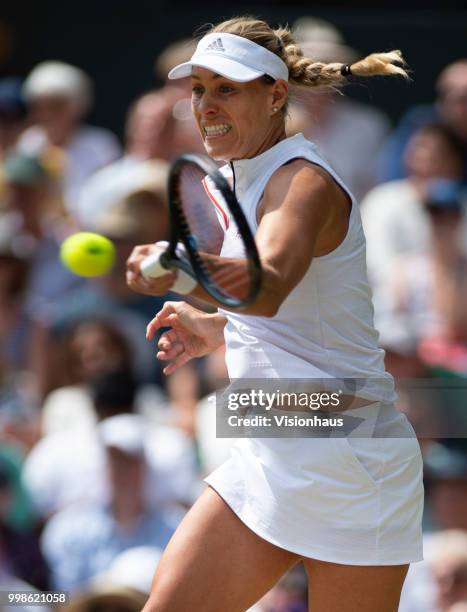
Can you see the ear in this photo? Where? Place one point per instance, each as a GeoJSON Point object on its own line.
{"type": "Point", "coordinates": [280, 91]}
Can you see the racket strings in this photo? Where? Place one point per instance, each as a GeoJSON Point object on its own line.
{"type": "Point", "coordinates": [218, 246]}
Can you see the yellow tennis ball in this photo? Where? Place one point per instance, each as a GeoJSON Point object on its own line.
{"type": "Point", "coordinates": [87, 254]}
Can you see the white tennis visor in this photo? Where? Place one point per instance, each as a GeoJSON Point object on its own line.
{"type": "Point", "coordinates": [233, 57]}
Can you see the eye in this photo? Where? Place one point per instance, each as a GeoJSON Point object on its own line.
{"type": "Point", "coordinates": [197, 90]}
{"type": "Point", "coordinates": [226, 89]}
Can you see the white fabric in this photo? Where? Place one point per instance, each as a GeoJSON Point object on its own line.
{"type": "Point", "coordinates": [133, 568]}
{"type": "Point", "coordinates": [59, 79]}
{"type": "Point", "coordinates": [89, 149]}
{"type": "Point", "coordinates": [67, 409]}
{"type": "Point", "coordinates": [212, 451]}
{"type": "Point", "coordinates": [234, 57]}
{"type": "Point", "coordinates": [409, 313]}
{"type": "Point", "coordinates": [325, 326]}
{"type": "Point", "coordinates": [110, 185]}
{"type": "Point", "coordinates": [396, 224]}
{"type": "Point", "coordinates": [127, 432]}
{"type": "Point", "coordinates": [68, 467]}
{"type": "Point", "coordinates": [354, 501]}
{"type": "Point", "coordinates": [350, 126]}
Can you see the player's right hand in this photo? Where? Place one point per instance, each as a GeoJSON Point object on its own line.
{"type": "Point", "coordinates": [136, 281]}
{"type": "Point", "coordinates": [193, 333]}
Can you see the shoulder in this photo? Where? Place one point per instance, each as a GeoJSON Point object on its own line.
{"type": "Point", "coordinates": [91, 133]}
{"type": "Point", "coordinates": [300, 173]}
{"type": "Point", "coordinates": [300, 181]}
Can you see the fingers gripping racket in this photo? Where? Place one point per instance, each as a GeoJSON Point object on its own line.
{"type": "Point", "coordinates": [210, 240]}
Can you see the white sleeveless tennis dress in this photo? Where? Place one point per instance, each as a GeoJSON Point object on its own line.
{"type": "Point", "coordinates": [352, 500]}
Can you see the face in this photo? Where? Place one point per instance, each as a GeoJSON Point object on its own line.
{"type": "Point", "coordinates": [450, 573]}
{"type": "Point", "coordinates": [236, 120]}
{"type": "Point", "coordinates": [429, 155]}
{"type": "Point", "coordinates": [449, 503]}
{"type": "Point", "coordinates": [151, 126]}
{"type": "Point", "coordinates": [29, 200]}
{"type": "Point", "coordinates": [452, 97]}
{"type": "Point", "coordinates": [126, 472]}
{"type": "Point", "coordinates": [48, 110]}
{"type": "Point", "coordinates": [94, 350]}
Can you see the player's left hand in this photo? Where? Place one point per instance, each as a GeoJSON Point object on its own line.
{"type": "Point", "coordinates": [136, 281]}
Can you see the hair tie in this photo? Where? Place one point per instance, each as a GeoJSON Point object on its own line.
{"type": "Point", "coordinates": [346, 70]}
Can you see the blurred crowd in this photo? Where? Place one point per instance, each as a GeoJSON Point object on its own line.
{"type": "Point", "coordinates": [100, 454]}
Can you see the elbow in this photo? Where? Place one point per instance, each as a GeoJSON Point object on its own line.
{"type": "Point", "coordinates": [264, 308]}
{"type": "Point", "coordinates": [270, 310]}
{"type": "Point", "coordinates": [270, 298]}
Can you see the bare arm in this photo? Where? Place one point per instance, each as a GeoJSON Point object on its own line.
{"type": "Point", "coordinates": [303, 214]}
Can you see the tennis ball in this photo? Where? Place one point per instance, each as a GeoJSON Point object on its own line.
{"type": "Point", "coordinates": [87, 254]}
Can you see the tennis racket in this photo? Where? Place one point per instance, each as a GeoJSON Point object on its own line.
{"type": "Point", "coordinates": [210, 240]}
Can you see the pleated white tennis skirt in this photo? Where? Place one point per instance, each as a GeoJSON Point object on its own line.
{"type": "Point", "coordinates": [351, 500]}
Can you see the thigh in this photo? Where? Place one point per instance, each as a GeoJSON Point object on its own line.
{"type": "Point", "coordinates": [354, 588]}
{"type": "Point", "coordinates": [214, 562]}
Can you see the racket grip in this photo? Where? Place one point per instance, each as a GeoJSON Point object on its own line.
{"type": "Point", "coordinates": [151, 267]}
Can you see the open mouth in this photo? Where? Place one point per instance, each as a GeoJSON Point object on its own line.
{"type": "Point", "coordinates": [214, 131]}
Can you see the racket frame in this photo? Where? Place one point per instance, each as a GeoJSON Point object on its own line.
{"type": "Point", "coordinates": [179, 232]}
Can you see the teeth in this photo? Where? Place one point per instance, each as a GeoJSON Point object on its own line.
{"type": "Point", "coordinates": [216, 130]}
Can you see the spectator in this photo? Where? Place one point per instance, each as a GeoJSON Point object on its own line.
{"type": "Point", "coordinates": [141, 216]}
{"type": "Point", "coordinates": [59, 96]}
{"type": "Point", "coordinates": [20, 555]}
{"type": "Point", "coordinates": [394, 217]}
{"type": "Point", "coordinates": [149, 135]}
{"type": "Point", "coordinates": [107, 598]}
{"type": "Point", "coordinates": [29, 198]}
{"type": "Point", "coordinates": [439, 581]}
{"type": "Point", "coordinates": [449, 568]}
{"type": "Point", "coordinates": [125, 585]}
{"type": "Point", "coordinates": [428, 291]}
{"type": "Point", "coordinates": [339, 126]}
{"type": "Point", "coordinates": [30, 234]}
{"type": "Point", "coordinates": [82, 541]}
{"type": "Point", "coordinates": [14, 321]}
{"type": "Point", "coordinates": [87, 350]}
{"type": "Point", "coordinates": [446, 475]}
{"type": "Point", "coordinates": [450, 108]}
{"type": "Point", "coordinates": [67, 466]}
{"type": "Point", "coordinates": [12, 114]}
{"type": "Point", "coordinates": [186, 134]}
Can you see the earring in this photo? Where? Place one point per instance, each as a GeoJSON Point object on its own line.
{"type": "Point", "coordinates": [274, 109]}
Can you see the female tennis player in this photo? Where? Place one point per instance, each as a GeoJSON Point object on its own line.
{"type": "Point", "coordinates": [348, 507]}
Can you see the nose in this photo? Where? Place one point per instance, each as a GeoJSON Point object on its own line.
{"type": "Point", "coordinates": [207, 105]}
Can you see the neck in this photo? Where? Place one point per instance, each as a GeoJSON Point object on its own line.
{"type": "Point", "coordinates": [126, 511]}
{"type": "Point", "coordinates": [60, 134]}
{"type": "Point", "coordinates": [275, 135]}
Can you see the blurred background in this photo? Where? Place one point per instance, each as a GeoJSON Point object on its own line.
{"type": "Point", "coordinates": [100, 455]}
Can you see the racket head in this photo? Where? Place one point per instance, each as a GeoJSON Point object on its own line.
{"type": "Point", "coordinates": [208, 219]}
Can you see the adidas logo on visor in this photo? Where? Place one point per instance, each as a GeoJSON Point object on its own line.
{"type": "Point", "coordinates": [216, 45]}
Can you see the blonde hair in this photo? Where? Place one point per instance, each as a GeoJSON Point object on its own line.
{"type": "Point", "coordinates": [304, 71]}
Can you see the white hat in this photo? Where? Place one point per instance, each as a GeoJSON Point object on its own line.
{"type": "Point", "coordinates": [125, 432]}
{"type": "Point", "coordinates": [133, 568]}
{"type": "Point", "coordinates": [233, 57]}
{"type": "Point", "coordinates": [59, 79]}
